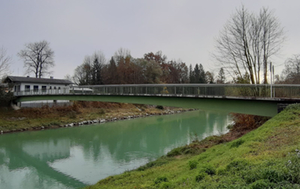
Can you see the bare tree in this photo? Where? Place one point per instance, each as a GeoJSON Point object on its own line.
{"type": "Point", "coordinates": [247, 42]}
{"type": "Point", "coordinates": [291, 73]}
{"type": "Point", "coordinates": [38, 58]}
{"type": "Point", "coordinates": [209, 77]}
{"type": "Point", "coordinates": [121, 54]}
{"type": "Point", "coordinates": [4, 63]}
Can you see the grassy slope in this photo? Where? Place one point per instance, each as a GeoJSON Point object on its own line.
{"type": "Point", "coordinates": [258, 159]}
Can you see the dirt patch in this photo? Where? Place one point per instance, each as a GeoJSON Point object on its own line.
{"type": "Point", "coordinates": [282, 137]}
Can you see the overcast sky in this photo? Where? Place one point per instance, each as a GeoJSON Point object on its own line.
{"type": "Point", "coordinates": [183, 30]}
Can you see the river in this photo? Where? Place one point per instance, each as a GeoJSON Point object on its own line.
{"type": "Point", "coordinates": [80, 156]}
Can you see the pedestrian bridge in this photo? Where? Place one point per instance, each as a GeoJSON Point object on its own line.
{"type": "Point", "coordinates": [263, 100]}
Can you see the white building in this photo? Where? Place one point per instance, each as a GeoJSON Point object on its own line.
{"type": "Point", "coordinates": [30, 86]}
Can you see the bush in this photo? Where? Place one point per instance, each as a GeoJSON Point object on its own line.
{"type": "Point", "coordinates": [175, 152]}
{"type": "Point", "coordinates": [208, 169]}
{"type": "Point", "coordinates": [159, 107]}
{"type": "Point", "coordinates": [5, 98]}
{"type": "Point", "coordinates": [160, 180]}
{"type": "Point", "coordinates": [165, 185]}
{"type": "Point", "coordinates": [293, 166]}
{"type": "Point", "coordinates": [293, 107]}
{"type": "Point", "coordinates": [237, 165]}
{"type": "Point", "coordinates": [261, 184]}
{"type": "Point", "coordinates": [200, 176]}
{"type": "Point", "coordinates": [251, 176]}
{"type": "Point", "coordinates": [193, 164]}
{"type": "Point", "coordinates": [273, 175]}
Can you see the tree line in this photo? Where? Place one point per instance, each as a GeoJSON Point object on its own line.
{"type": "Point", "coordinates": [152, 68]}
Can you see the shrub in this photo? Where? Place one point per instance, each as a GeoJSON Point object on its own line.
{"type": "Point", "coordinates": [200, 176]}
{"type": "Point", "coordinates": [293, 166]}
{"type": "Point", "coordinates": [165, 185]}
{"type": "Point", "coordinates": [261, 184]}
{"type": "Point", "coordinates": [251, 176]}
{"type": "Point", "coordinates": [175, 152]}
{"type": "Point", "coordinates": [160, 180]}
{"type": "Point", "coordinates": [193, 164]}
{"type": "Point", "coordinates": [230, 126]}
{"type": "Point", "coordinates": [221, 171]}
{"type": "Point", "coordinates": [209, 169]}
{"type": "Point", "coordinates": [273, 175]}
{"type": "Point", "coordinates": [159, 107]}
{"type": "Point", "coordinates": [5, 97]}
{"type": "Point", "coordinates": [293, 107]}
{"type": "Point", "coordinates": [237, 165]}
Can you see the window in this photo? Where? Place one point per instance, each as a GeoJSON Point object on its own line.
{"type": "Point", "coordinates": [35, 88]}
{"type": "Point", "coordinates": [44, 88]}
{"type": "Point", "coordinates": [27, 88]}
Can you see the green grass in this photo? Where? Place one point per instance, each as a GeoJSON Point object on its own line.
{"type": "Point", "coordinates": [263, 158]}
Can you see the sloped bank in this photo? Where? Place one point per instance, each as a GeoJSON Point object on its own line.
{"type": "Point", "coordinates": [267, 157]}
{"type": "Point", "coordinates": [84, 113]}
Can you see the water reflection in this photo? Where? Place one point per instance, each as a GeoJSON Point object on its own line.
{"type": "Point", "coordinates": [75, 157]}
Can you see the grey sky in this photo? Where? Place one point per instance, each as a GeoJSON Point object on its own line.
{"type": "Point", "coordinates": [183, 30]}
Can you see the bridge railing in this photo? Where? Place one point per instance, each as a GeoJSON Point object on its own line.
{"type": "Point", "coordinates": [215, 90]}
{"type": "Point", "coordinates": [220, 90]}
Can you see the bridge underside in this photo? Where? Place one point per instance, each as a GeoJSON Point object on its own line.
{"type": "Point", "coordinates": [248, 106]}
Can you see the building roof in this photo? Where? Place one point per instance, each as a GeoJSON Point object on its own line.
{"type": "Point", "coordinates": [17, 79]}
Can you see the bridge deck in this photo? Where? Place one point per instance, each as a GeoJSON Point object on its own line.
{"type": "Point", "coordinates": [249, 99]}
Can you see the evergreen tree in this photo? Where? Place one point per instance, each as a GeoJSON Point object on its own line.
{"type": "Point", "coordinates": [196, 74]}
{"type": "Point", "coordinates": [112, 71]}
{"type": "Point", "coordinates": [221, 76]}
{"type": "Point", "coordinates": [202, 78]}
{"type": "Point", "coordinates": [97, 71]}
{"type": "Point", "coordinates": [191, 75]}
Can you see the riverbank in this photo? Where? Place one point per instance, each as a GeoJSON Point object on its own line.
{"type": "Point", "coordinates": [80, 113]}
{"type": "Point", "coordinates": [266, 157]}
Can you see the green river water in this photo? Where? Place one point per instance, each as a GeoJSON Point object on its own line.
{"type": "Point", "coordinates": [80, 156]}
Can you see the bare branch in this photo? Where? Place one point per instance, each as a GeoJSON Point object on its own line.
{"type": "Point", "coordinates": [5, 62]}
{"type": "Point", "coordinates": [38, 58]}
{"type": "Point", "coordinates": [247, 42]}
